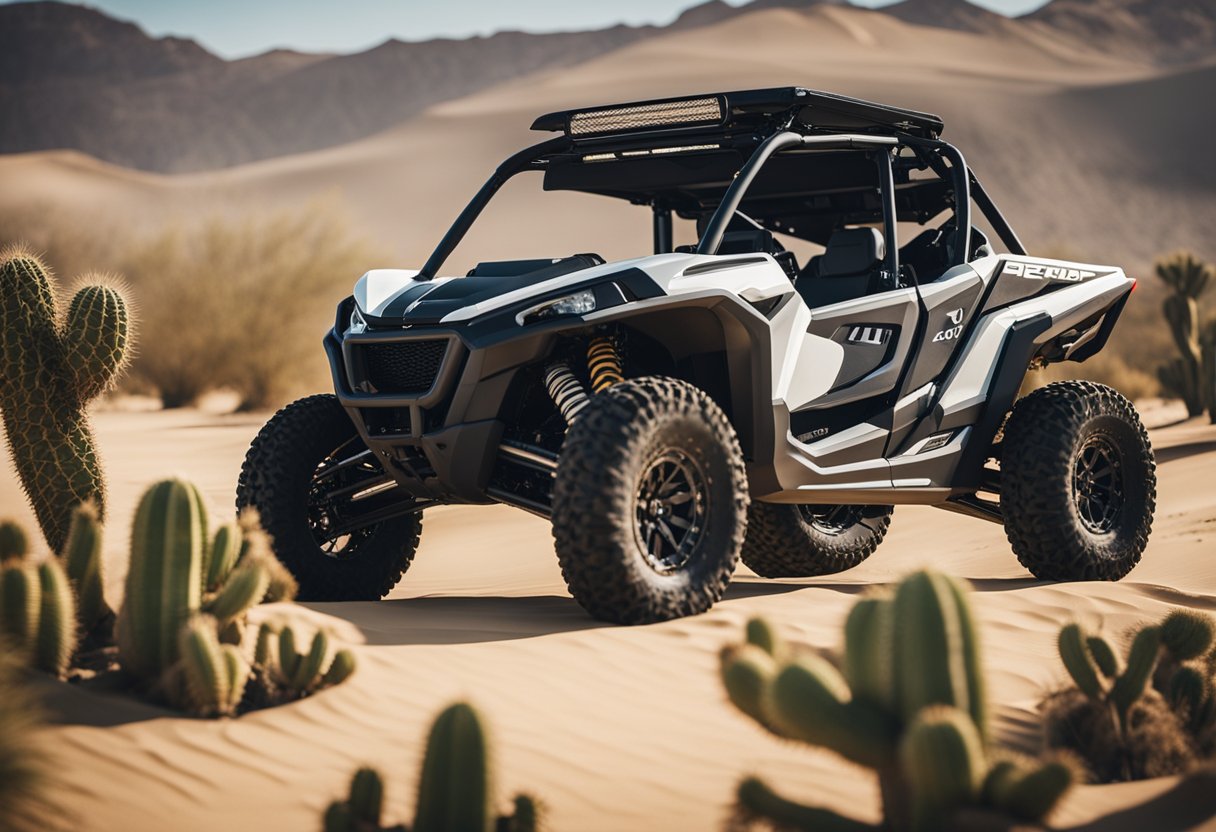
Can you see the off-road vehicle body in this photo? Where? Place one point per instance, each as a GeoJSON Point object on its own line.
{"type": "Point", "coordinates": [677, 410]}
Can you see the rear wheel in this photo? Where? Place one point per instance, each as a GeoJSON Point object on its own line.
{"type": "Point", "coordinates": [795, 541]}
{"type": "Point", "coordinates": [1078, 483]}
{"type": "Point", "coordinates": [333, 514]}
{"type": "Point", "coordinates": [649, 502]}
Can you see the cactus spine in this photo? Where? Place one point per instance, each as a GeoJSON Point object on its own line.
{"type": "Point", "coordinates": [455, 787]}
{"type": "Point", "coordinates": [38, 614]}
{"type": "Point", "coordinates": [49, 372]}
{"type": "Point", "coordinates": [910, 704]}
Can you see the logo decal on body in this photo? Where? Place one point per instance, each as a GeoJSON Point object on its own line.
{"type": "Point", "coordinates": [1038, 271]}
{"type": "Point", "coordinates": [955, 329]}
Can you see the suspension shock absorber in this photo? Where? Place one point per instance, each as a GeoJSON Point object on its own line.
{"type": "Point", "coordinates": [565, 389]}
{"type": "Point", "coordinates": [603, 363]}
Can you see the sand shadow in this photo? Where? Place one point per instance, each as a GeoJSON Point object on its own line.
{"type": "Point", "coordinates": [461, 619]}
{"type": "Point", "coordinates": [760, 588]}
{"type": "Point", "coordinates": [1184, 450]}
{"type": "Point", "coordinates": [75, 704]}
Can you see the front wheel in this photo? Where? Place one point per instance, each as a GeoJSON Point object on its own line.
{"type": "Point", "coordinates": [649, 502]}
{"type": "Point", "coordinates": [797, 541]}
{"type": "Point", "coordinates": [1078, 483]}
{"type": "Point", "coordinates": [315, 486]}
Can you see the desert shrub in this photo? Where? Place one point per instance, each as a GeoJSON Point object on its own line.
{"type": "Point", "coordinates": [908, 702]}
{"type": "Point", "coordinates": [1106, 367]}
{"type": "Point", "coordinates": [455, 787]}
{"type": "Point", "coordinates": [1149, 714]}
{"type": "Point", "coordinates": [242, 303]}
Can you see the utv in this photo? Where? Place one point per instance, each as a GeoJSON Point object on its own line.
{"type": "Point", "coordinates": [677, 411]}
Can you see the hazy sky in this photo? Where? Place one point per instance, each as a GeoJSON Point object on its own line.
{"type": "Point", "coordinates": [236, 28]}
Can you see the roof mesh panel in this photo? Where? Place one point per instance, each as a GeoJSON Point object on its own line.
{"type": "Point", "coordinates": [640, 116]}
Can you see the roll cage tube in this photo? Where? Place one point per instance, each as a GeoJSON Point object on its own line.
{"type": "Point", "coordinates": [526, 159]}
{"type": "Point", "coordinates": [714, 231]}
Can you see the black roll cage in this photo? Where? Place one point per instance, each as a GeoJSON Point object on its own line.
{"type": "Point", "coordinates": [930, 152]}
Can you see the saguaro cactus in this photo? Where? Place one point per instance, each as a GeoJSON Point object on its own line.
{"type": "Point", "coordinates": [50, 368]}
{"type": "Point", "coordinates": [910, 704]}
{"type": "Point", "coordinates": [455, 788]}
{"type": "Point", "coordinates": [1188, 278]}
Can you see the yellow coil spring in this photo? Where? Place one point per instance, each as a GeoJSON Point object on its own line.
{"type": "Point", "coordinates": [603, 364]}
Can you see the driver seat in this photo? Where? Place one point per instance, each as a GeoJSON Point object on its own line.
{"type": "Point", "coordinates": [846, 268]}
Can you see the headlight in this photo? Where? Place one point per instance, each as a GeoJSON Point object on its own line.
{"type": "Point", "coordinates": [357, 322]}
{"type": "Point", "coordinates": [580, 303]}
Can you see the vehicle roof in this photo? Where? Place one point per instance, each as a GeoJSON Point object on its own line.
{"type": "Point", "coordinates": [803, 109]}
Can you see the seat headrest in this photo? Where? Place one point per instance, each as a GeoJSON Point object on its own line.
{"type": "Point", "coordinates": [852, 251]}
{"type": "Point", "coordinates": [746, 241]}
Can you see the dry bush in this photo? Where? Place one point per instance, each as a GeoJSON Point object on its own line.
{"type": "Point", "coordinates": [1106, 367]}
{"type": "Point", "coordinates": [242, 304]}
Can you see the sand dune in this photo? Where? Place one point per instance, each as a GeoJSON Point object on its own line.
{"type": "Point", "coordinates": [616, 728]}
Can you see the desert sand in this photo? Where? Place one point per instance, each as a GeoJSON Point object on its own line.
{"type": "Point", "coordinates": [614, 728]}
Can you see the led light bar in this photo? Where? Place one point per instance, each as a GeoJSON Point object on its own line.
{"type": "Point", "coordinates": [689, 111]}
{"type": "Point", "coordinates": [612, 156]}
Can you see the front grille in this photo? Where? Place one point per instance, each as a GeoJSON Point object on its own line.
{"type": "Point", "coordinates": [405, 366]}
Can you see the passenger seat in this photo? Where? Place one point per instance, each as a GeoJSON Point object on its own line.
{"type": "Point", "coordinates": [846, 268]}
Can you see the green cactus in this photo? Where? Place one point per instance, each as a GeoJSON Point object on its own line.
{"type": "Point", "coordinates": [748, 672]}
{"type": "Point", "coordinates": [213, 675]}
{"type": "Point", "coordinates": [367, 796]}
{"type": "Point", "coordinates": [1168, 682]}
{"type": "Point", "coordinates": [339, 818]}
{"type": "Point", "coordinates": [455, 787]}
{"type": "Point", "coordinates": [82, 556]}
{"type": "Point", "coordinates": [1187, 634]}
{"type": "Point", "coordinates": [1188, 277]}
{"type": "Point", "coordinates": [809, 701]}
{"type": "Point", "coordinates": [14, 545]}
{"type": "Point", "coordinates": [56, 620]}
{"type": "Point", "coordinates": [340, 669]}
{"type": "Point", "coordinates": [49, 372]}
{"type": "Point", "coordinates": [176, 573]}
{"type": "Point", "coordinates": [20, 604]}
{"type": "Point", "coordinates": [38, 614]}
{"type": "Point", "coordinates": [1104, 656]}
{"type": "Point", "coordinates": [164, 579]}
{"type": "Point", "coordinates": [1141, 660]}
{"type": "Point", "coordinates": [1079, 661]}
{"type": "Point", "coordinates": [936, 654]}
{"type": "Point", "coordinates": [924, 737]}
{"type": "Point", "coordinates": [293, 674]}
{"type": "Point", "coordinates": [943, 758]}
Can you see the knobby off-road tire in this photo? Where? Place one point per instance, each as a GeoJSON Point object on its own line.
{"type": "Point", "coordinates": [790, 541]}
{"type": "Point", "coordinates": [280, 479]}
{"type": "Point", "coordinates": [648, 452]}
{"type": "Point", "coordinates": [1078, 483]}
